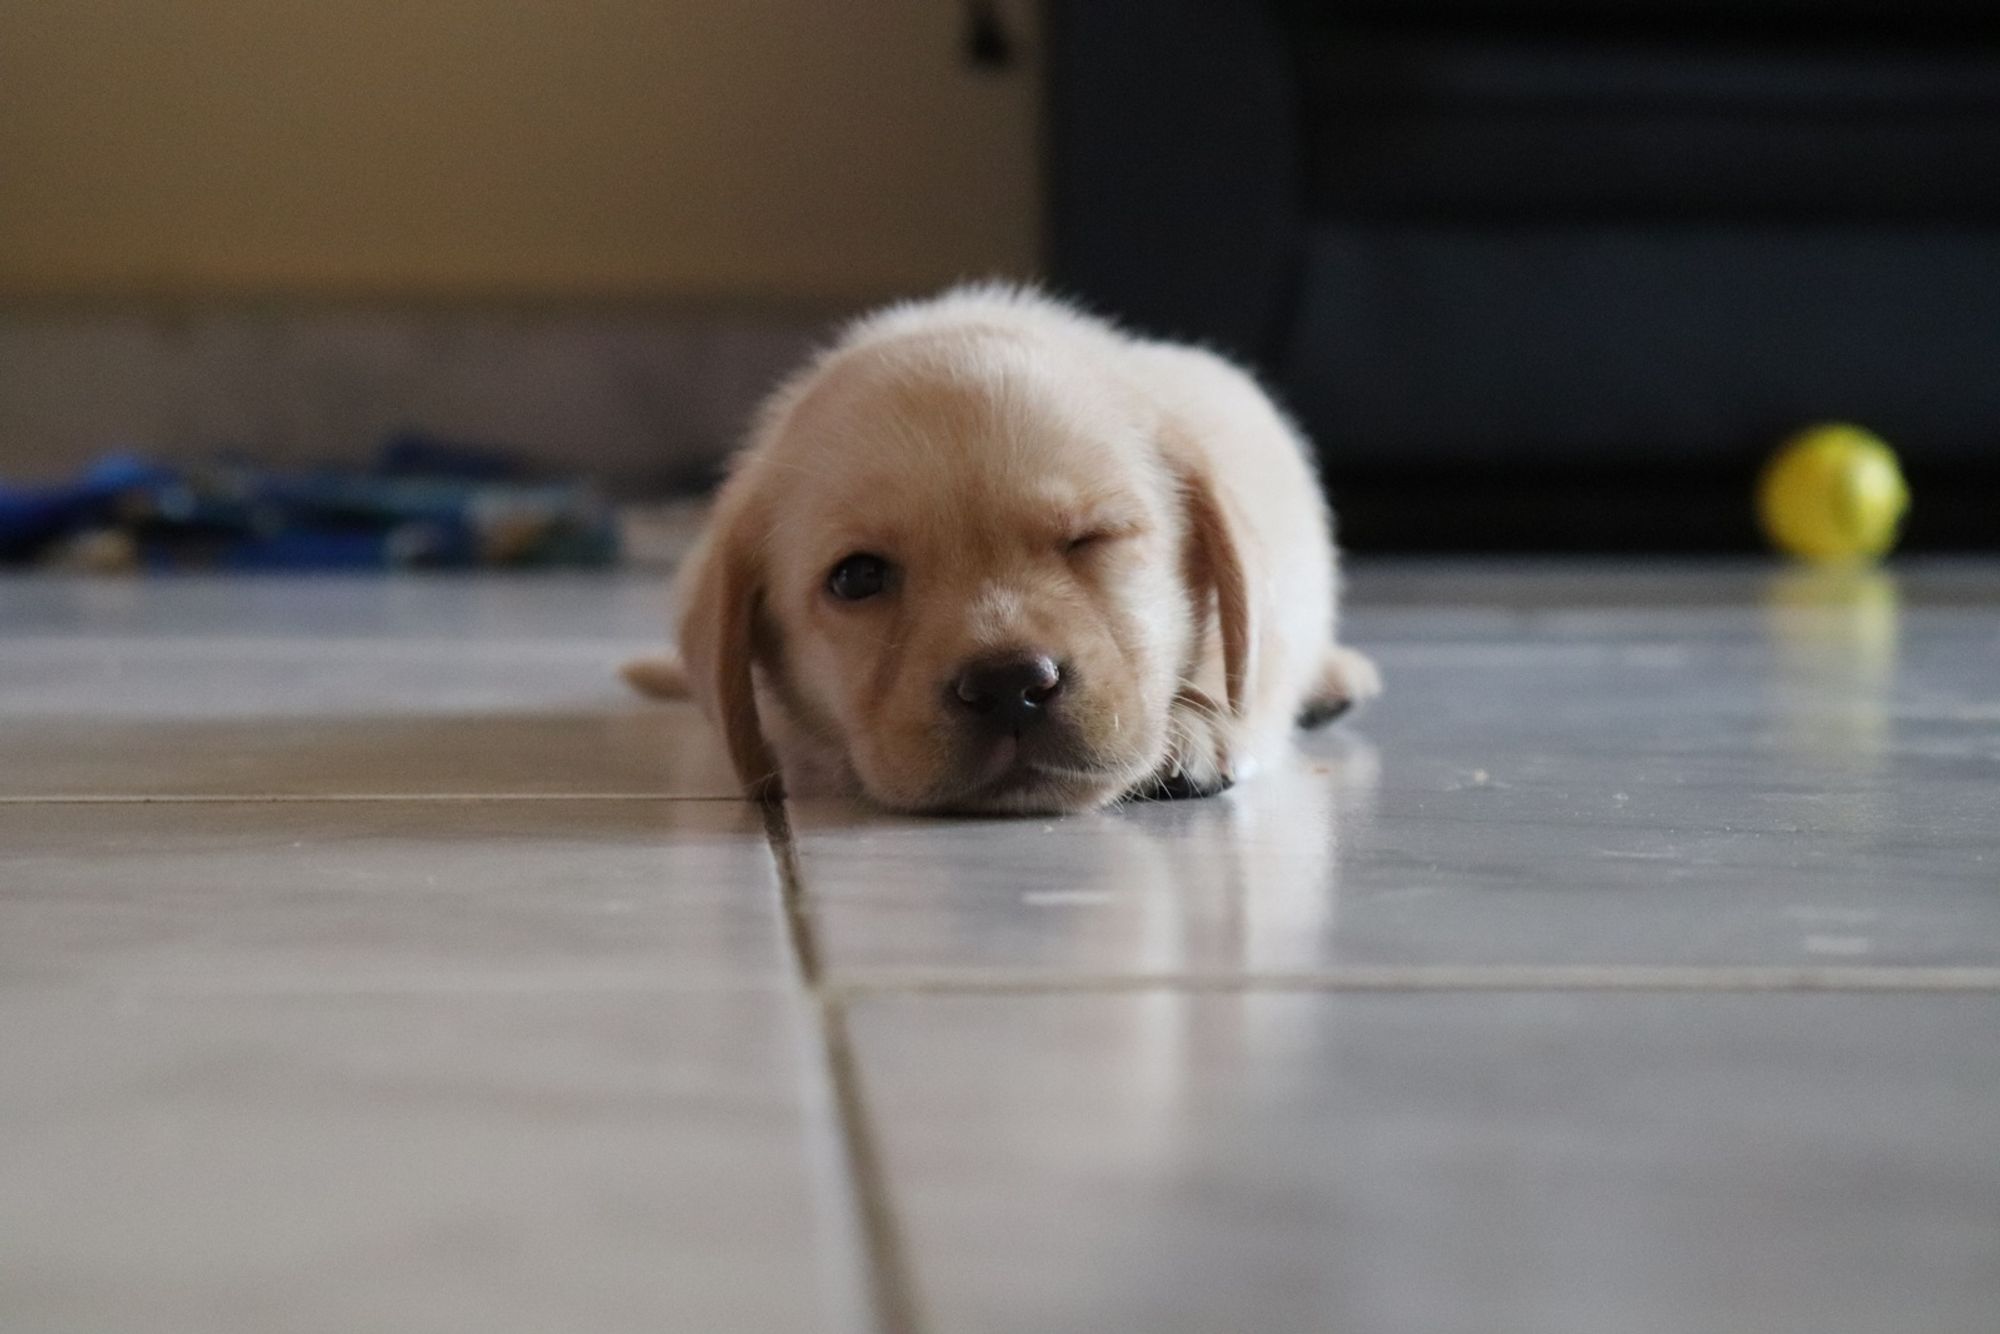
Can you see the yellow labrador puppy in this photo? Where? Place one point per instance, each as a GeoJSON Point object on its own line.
{"type": "Point", "coordinates": [989, 554]}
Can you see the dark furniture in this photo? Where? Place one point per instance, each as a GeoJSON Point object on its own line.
{"type": "Point", "coordinates": [1546, 274]}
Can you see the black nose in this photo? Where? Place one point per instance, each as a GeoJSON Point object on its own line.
{"type": "Point", "coordinates": [1010, 691]}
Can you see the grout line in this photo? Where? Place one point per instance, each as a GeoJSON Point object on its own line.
{"type": "Point", "coordinates": [1392, 980]}
{"type": "Point", "coordinates": [791, 889]}
{"type": "Point", "coordinates": [890, 1283]}
{"type": "Point", "coordinates": [279, 798]}
{"type": "Point", "coordinates": [891, 1288]}
{"type": "Point", "coordinates": [1450, 978]}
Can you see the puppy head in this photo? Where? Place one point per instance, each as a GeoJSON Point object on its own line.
{"type": "Point", "coordinates": [967, 565]}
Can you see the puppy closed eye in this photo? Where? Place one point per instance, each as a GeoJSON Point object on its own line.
{"type": "Point", "coordinates": [1083, 542]}
{"type": "Point", "coordinates": [1089, 540]}
{"type": "Point", "coordinates": [858, 577]}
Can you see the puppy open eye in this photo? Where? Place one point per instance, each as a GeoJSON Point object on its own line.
{"type": "Point", "coordinates": [858, 577]}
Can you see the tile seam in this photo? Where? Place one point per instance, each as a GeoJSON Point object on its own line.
{"type": "Point", "coordinates": [1691, 979]}
{"type": "Point", "coordinates": [891, 1288]}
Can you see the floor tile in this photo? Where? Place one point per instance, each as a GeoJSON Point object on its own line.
{"type": "Point", "coordinates": [340, 897]}
{"type": "Point", "coordinates": [665, 752]}
{"type": "Point", "coordinates": [271, 686]}
{"type": "Point", "coordinates": [600, 1161]}
{"type": "Point", "coordinates": [1598, 602]}
{"type": "Point", "coordinates": [1813, 785]}
{"type": "Point", "coordinates": [250, 716]}
{"type": "Point", "coordinates": [1484, 1164]}
{"type": "Point", "coordinates": [551, 606]}
{"type": "Point", "coordinates": [288, 1049]}
{"type": "Point", "coordinates": [222, 677]}
{"type": "Point", "coordinates": [495, 1065]}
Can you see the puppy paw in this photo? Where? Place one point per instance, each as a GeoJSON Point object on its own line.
{"type": "Point", "coordinates": [1198, 763]}
{"type": "Point", "coordinates": [1346, 678]}
{"type": "Point", "coordinates": [1180, 787]}
{"type": "Point", "coordinates": [661, 677]}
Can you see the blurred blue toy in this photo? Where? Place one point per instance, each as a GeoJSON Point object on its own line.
{"type": "Point", "coordinates": [424, 503]}
{"type": "Point", "coordinates": [32, 517]}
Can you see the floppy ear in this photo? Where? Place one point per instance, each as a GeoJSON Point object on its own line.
{"type": "Point", "coordinates": [720, 601]}
{"type": "Point", "coordinates": [660, 676]}
{"type": "Point", "coordinates": [1218, 565]}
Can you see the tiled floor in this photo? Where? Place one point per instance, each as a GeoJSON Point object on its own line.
{"type": "Point", "coordinates": [369, 961]}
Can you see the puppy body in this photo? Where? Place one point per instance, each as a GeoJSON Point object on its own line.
{"type": "Point", "coordinates": [988, 484]}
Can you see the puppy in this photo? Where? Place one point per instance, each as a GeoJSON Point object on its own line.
{"type": "Point", "coordinates": [989, 554]}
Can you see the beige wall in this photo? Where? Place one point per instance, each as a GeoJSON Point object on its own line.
{"type": "Point", "coordinates": [708, 149]}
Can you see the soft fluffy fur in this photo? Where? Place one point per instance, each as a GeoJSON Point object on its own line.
{"type": "Point", "coordinates": [1137, 511]}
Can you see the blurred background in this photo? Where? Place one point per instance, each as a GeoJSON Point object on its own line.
{"type": "Point", "coordinates": [281, 283]}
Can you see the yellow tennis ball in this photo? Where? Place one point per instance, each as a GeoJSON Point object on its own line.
{"type": "Point", "coordinates": [1833, 493]}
